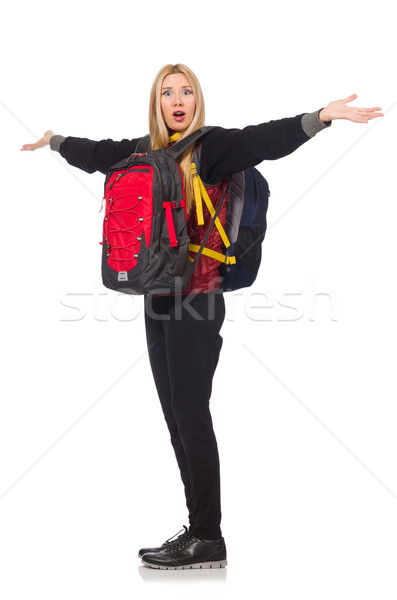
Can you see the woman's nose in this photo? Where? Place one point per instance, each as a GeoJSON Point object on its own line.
{"type": "Point", "coordinates": [178, 99]}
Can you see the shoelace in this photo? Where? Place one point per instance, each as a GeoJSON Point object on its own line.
{"type": "Point", "coordinates": [171, 544]}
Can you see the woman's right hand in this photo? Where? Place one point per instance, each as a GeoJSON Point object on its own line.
{"type": "Point", "coordinates": [44, 141]}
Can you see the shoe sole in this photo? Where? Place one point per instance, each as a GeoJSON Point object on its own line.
{"type": "Point", "coordinates": [220, 564]}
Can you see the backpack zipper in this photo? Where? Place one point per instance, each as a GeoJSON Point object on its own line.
{"type": "Point", "coordinates": [129, 171]}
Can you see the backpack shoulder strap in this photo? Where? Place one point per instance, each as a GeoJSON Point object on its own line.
{"type": "Point", "coordinates": [143, 144]}
{"type": "Point", "coordinates": [176, 149]}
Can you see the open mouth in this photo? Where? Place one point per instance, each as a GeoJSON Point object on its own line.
{"type": "Point", "coordinates": [178, 115]}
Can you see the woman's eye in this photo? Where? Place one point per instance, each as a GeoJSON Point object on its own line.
{"type": "Point", "coordinates": [185, 92]}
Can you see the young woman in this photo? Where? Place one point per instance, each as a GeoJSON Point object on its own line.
{"type": "Point", "coordinates": [183, 330]}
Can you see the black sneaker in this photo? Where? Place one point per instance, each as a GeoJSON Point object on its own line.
{"type": "Point", "coordinates": [143, 551]}
{"type": "Point", "coordinates": [188, 553]}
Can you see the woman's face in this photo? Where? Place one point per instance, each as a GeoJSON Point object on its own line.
{"type": "Point", "coordinates": [177, 97]}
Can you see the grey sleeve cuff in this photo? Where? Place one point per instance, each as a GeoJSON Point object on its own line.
{"type": "Point", "coordinates": [311, 124]}
{"type": "Point", "coordinates": [56, 141]}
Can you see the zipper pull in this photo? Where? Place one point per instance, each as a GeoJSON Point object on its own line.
{"type": "Point", "coordinates": [100, 210]}
{"type": "Point", "coordinates": [115, 180]}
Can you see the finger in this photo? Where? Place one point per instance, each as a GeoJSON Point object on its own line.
{"type": "Point", "coordinates": [29, 147]}
{"type": "Point", "coordinates": [365, 118]}
{"type": "Point", "coordinates": [369, 109]}
{"type": "Point", "coordinates": [369, 113]}
{"type": "Point", "coordinates": [350, 98]}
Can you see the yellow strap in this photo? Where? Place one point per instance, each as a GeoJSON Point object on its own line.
{"type": "Point", "coordinates": [175, 137]}
{"type": "Point", "coordinates": [228, 260]}
{"type": "Point", "coordinates": [211, 209]}
{"type": "Point", "coordinates": [197, 195]}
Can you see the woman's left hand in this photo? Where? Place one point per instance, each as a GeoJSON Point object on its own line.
{"type": "Point", "coordinates": [338, 110]}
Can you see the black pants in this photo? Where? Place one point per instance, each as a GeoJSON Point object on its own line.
{"type": "Point", "coordinates": [184, 345]}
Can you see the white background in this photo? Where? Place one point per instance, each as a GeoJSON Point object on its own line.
{"type": "Point", "coordinates": [304, 397]}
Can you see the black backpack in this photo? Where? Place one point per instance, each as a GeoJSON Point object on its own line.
{"type": "Point", "coordinates": [246, 224]}
{"type": "Point", "coordinates": [145, 240]}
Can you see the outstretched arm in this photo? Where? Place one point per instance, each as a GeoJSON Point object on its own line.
{"type": "Point", "coordinates": [85, 154]}
{"type": "Point", "coordinates": [228, 151]}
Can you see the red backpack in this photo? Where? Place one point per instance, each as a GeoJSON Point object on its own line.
{"type": "Point", "coordinates": [145, 239]}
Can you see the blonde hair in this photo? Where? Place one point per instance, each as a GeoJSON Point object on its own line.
{"type": "Point", "coordinates": [159, 134]}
